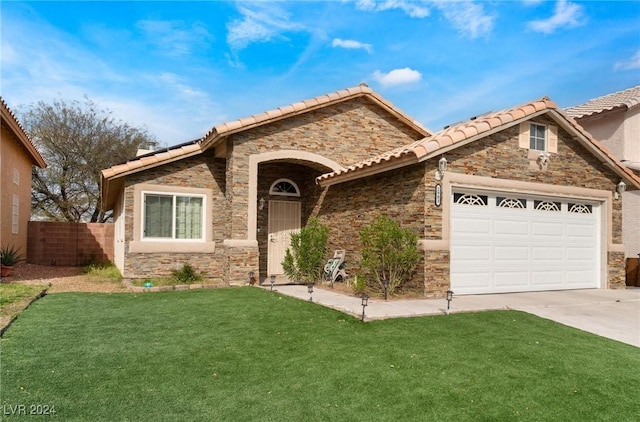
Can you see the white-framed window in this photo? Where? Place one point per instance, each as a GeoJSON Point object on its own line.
{"type": "Point", "coordinates": [16, 176]}
{"type": "Point", "coordinates": [15, 214]}
{"type": "Point", "coordinates": [537, 137]}
{"type": "Point", "coordinates": [284, 187]}
{"type": "Point", "coordinates": [170, 216]}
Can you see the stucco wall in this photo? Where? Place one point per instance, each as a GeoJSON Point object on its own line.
{"type": "Point", "coordinates": [619, 131]}
{"type": "Point", "coordinates": [631, 220]}
{"type": "Point", "coordinates": [13, 156]}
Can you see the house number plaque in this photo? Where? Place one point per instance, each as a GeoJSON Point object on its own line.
{"type": "Point", "coordinates": [438, 195]}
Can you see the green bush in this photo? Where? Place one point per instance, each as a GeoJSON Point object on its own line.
{"type": "Point", "coordinates": [304, 259]}
{"type": "Point", "coordinates": [389, 252]}
{"type": "Point", "coordinates": [10, 256]}
{"type": "Point", "coordinates": [186, 275]}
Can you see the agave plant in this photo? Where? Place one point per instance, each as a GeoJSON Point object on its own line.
{"type": "Point", "coordinates": [10, 256]}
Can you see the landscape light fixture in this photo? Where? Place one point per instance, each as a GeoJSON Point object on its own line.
{"type": "Point", "coordinates": [251, 278]}
{"type": "Point", "coordinates": [449, 299]}
{"type": "Point", "coordinates": [365, 302]}
{"type": "Point", "coordinates": [273, 281]}
{"type": "Point", "coordinates": [310, 290]}
{"type": "Point", "coordinates": [385, 283]}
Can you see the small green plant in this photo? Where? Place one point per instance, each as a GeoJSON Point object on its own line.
{"type": "Point", "coordinates": [10, 256]}
{"type": "Point", "coordinates": [389, 252]}
{"type": "Point", "coordinates": [358, 283]}
{"type": "Point", "coordinates": [105, 270]}
{"type": "Point", "coordinates": [186, 275]}
{"type": "Point", "coordinates": [304, 259]}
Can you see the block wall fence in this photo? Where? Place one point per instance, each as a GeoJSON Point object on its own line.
{"type": "Point", "coordinates": [69, 244]}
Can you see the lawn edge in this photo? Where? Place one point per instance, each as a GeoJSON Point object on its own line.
{"type": "Point", "coordinates": [28, 303]}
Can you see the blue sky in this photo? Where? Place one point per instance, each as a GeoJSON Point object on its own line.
{"type": "Point", "coordinates": [179, 68]}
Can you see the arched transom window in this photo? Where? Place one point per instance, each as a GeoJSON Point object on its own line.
{"type": "Point", "coordinates": [284, 187]}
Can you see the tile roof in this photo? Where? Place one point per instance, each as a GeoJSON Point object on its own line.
{"type": "Point", "coordinates": [465, 132]}
{"type": "Point", "coordinates": [450, 136]}
{"type": "Point", "coordinates": [627, 98]}
{"type": "Point", "coordinates": [308, 105]}
{"type": "Point", "coordinates": [12, 121]}
{"type": "Point", "coordinates": [152, 159]}
{"type": "Point", "coordinates": [225, 129]}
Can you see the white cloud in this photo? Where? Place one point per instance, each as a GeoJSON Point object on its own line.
{"type": "Point", "coordinates": [467, 17]}
{"type": "Point", "coordinates": [261, 22]}
{"type": "Point", "coordinates": [397, 77]}
{"type": "Point", "coordinates": [175, 38]}
{"type": "Point", "coordinates": [629, 64]}
{"type": "Point", "coordinates": [352, 44]}
{"type": "Point", "coordinates": [411, 8]}
{"type": "Point", "coordinates": [566, 14]}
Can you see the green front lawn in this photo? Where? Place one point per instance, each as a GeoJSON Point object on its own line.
{"type": "Point", "coordinates": [14, 298]}
{"type": "Point", "coordinates": [244, 354]}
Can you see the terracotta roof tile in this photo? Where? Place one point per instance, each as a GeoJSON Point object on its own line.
{"type": "Point", "coordinates": [309, 104]}
{"type": "Point", "coordinates": [627, 98]}
{"type": "Point", "coordinates": [479, 127]}
{"type": "Point", "coordinates": [458, 133]}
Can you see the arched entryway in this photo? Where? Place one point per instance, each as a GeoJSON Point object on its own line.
{"type": "Point", "coordinates": [285, 197]}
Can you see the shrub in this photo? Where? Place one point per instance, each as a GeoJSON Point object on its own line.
{"type": "Point", "coordinates": [10, 256]}
{"type": "Point", "coordinates": [389, 252]}
{"type": "Point", "coordinates": [304, 259]}
{"type": "Point", "coordinates": [186, 275]}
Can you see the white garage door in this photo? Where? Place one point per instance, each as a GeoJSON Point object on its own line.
{"type": "Point", "coordinates": [514, 243]}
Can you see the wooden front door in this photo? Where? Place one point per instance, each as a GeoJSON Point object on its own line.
{"type": "Point", "coordinates": [284, 219]}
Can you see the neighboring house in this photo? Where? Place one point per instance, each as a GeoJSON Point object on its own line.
{"type": "Point", "coordinates": [17, 156]}
{"type": "Point", "coordinates": [614, 119]}
{"type": "Point", "coordinates": [525, 203]}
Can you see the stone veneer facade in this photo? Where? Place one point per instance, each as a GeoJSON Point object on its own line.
{"type": "Point", "coordinates": [347, 133]}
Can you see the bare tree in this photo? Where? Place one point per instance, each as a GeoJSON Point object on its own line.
{"type": "Point", "coordinates": [77, 140]}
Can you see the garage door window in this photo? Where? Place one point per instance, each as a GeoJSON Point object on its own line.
{"type": "Point", "coordinates": [546, 206]}
{"type": "Point", "coordinates": [516, 203]}
{"type": "Point", "coordinates": [580, 208]}
{"type": "Point", "coordinates": [469, 199]}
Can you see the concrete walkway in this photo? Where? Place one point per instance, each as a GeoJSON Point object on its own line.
{"type": "Point", "coordinates": [614, 314]}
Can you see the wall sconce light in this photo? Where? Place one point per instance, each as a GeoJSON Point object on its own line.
{"type": "Point", "coordinates": [365, 302]}
{"type": "Point", "coordinates": [544, 159]}
{"type": "Point", "coordinates": [620, 189]}
{"type": "Point", "coordinates": [261, 204]}
{"type": "Point", "coordinates": [442, 167]}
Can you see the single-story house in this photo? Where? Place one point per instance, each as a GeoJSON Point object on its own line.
{"type": "Point", "coordinates": [522, 199]}
{"type": "Point", "coordinates": [18, 155]}
{"type": "Point", "coordinates": [614, 119]}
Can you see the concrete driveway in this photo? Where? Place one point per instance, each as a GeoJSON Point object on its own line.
{"type": "Point", "coordinates": [614, 314]}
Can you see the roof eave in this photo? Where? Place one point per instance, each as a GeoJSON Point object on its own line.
{"type": "Point", "coordinates": [369, 170]}
{"type": "Point", "coordinates": [17, 129]}
{"type": "Point", "coordinates": [219, 132]}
